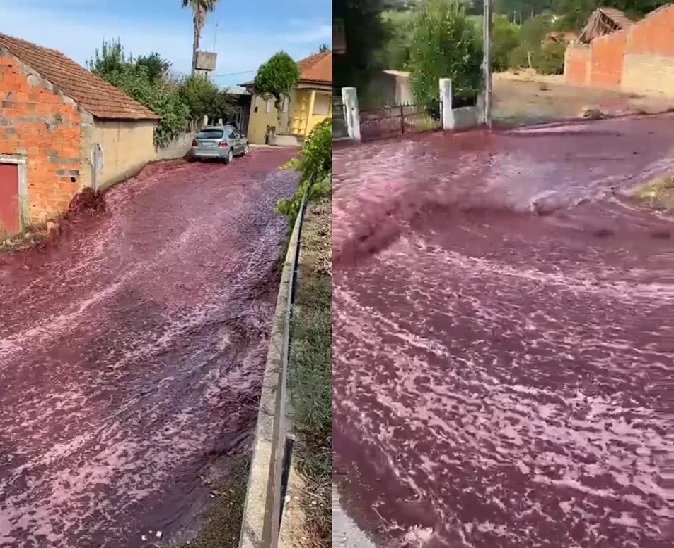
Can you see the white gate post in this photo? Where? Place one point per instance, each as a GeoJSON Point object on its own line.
{"type": "Point", "coordinates": [446, 114]}
{"type": "Point", "coordinates": [351, 112]}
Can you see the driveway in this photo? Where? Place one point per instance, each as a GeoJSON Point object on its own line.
{"type": "Point", "coordinates": [132, 354]}
{"type": "Point", "coordinates": [503, 338]}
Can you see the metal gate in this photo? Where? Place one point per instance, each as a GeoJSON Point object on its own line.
{"type": "Point", "coordinates": [391, 121]}
{"type": "Point", "coordinates": [339, 129]}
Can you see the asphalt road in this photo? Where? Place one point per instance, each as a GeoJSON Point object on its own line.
{"type": "Point", "coordinates": [503, 338]}
{"type": "Point", "coordinates": [132, 354]}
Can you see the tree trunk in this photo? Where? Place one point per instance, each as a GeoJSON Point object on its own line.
{"type": "Point", "coordinates": [198, 21]}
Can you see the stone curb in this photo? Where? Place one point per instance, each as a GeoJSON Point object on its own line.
{"type": "Point", "coordinates": [255, 506]}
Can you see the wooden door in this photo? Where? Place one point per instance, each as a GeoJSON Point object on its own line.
{"type": "Point", "coordinates": [10, 212]}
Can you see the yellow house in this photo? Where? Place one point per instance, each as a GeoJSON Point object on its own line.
{"type": "Point", "coordinates": [309, 103]}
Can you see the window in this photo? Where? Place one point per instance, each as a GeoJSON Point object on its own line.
{"type": "Point", "coordinates": [321, 104]}
{"type": "Point", "coordinates": [210, 134]}
{"type": "Point", "coordinates": [286, 102]}
{"type": "Point", "coordinates": [267, 106]}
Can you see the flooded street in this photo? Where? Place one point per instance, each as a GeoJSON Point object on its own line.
{"type": "Point", "coordinates": [132, 354]}
{"type": "Point", "coordinates": [503, 338]}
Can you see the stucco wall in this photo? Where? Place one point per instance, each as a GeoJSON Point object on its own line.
{"type": "Point", "coordinates": [41, 126]}
{"type": "Point", "coordinates": [298, 118]}
{"type": "Point", "coordinates": [127, 147]}
{"type": "Point", "coordinates": [260, 119]}
{"type": "Point", "coordinates": [177, 148]}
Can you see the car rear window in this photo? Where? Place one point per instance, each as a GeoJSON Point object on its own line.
{"type": "Point", "coordinates": [210, 134]}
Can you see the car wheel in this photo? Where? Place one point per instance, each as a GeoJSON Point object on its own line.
{"type": "Point", "coordinates": [230, 155]}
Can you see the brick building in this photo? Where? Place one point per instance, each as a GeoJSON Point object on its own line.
{"type": "Point", "coordinates": [638, 58]}
{"type": "Point", "coordinates": [62, 128]}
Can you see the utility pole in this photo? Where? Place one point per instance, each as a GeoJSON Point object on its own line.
{"type": "Point", "coordinates": [486, 60]}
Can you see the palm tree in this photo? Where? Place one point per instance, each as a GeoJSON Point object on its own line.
{"type": "Point", "coordinates": [199, 10]}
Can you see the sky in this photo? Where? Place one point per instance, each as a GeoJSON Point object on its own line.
{"type": "Point", "coordinates": [248, 31]}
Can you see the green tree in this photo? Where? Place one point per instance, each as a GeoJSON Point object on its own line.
{"type": "Point", "coordinates": [156, 67]}
{"type": "Point", "coordinates": [395, 52]}
{"type": "Point", "coordinates": [276, 78]}
{"type": "Point", "coordinates": [365, 35]}
{"type": "Point", "coordinates": [506, 37]}
{"type": "Point", "coordinates": [135, 78]}
{"type": "Point", "coordinates": [200, 8]}
{"type": "Point", "coordinates": [574, 13]}
{"type": "Point", "coordinates": [203, 98]}
{"type": "Point", "coordinates": [445, 44]}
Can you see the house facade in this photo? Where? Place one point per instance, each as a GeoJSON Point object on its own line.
{"type": "Point", "coordinates": [309, 103]}
{"type": "Point", "coordinates": [62, 129]}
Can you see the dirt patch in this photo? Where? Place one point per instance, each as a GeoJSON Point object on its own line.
{"type": "Point", "coordinates": [657, 194]}
{"type": "Point", "coordinates": [311, 374]}
{"type": "Point", "coordinates": [526, 97]}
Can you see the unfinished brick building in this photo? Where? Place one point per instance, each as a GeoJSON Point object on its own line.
{"type": "Point", "coordinates": [62, 128]}
{"type": "Point", "coordinates": [631, 56]}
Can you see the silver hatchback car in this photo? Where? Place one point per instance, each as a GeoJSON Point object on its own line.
{"type": "Point", "coordinates": [219, 143]}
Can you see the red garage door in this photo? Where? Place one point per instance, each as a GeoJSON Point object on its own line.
{"type": "Point", "coordinates": [9, 198]}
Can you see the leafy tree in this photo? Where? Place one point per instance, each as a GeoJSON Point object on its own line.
{"type": "Point", "coordinates": [395, 52]}
{"type": "Point", "coordinates": [156, 67]}
{"type": "Point", "coordinates": [506, 37]}
{"type": "Point", "coordinates": [276, 78]}
{"type": "Point", "coordinates": [365, 35]}
{"type": "Point", "coordinates": [200, 8]}
{"type": "Point", "coordinates": [445, 44]}
{"type": "Point", "coordinates": [574, 13]}
{"type": "Point", "coordinates": [136, 79]}
{"type": "Point", "coordinates": [198, 93]}
{"type": "Point", "coordinates": [203, 98]}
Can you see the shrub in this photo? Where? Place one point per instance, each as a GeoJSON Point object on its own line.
{"type": "Point", "coordinates": [141, 81]}
{"type": "Point", "coordinates": [445, 44]}
{"type": "Point", "coordinates": [314, 162]}
{"type": "Point", "coordinates": [550, 58]}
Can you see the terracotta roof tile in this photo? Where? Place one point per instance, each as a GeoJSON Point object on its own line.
{"type": "Point", "coordinates": [317, 68]}
{"type": "Point", "coordinates": [91, 92]}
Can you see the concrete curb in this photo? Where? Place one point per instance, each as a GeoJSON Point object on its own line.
{"type": "Point", "coordinates": [259, 490]}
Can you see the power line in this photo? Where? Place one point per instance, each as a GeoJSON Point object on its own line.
{"type": "Point", "coordinates": [235, 73]}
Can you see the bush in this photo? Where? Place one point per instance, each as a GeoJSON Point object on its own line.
{"type": "Point", "coordinates": [138, 80]}
{"type": "Point", "coordinates": [314, 162]}
{"type": "Point", "coordinates": [506, 37]}
{"type": "Point", "coordinates": [445, 44]}
{"type": "Point", "coordinates": [550, 58]}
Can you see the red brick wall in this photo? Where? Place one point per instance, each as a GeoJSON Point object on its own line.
{"type": "Point", "coordinates": [654, 34]}
{"type": "Point", "coordinates": [576, 59]}
{"type": "Point", "coordinates": [606, 60]}
{"type": "Point", "coordinates": [41, 125]}
{"type": "Point", "coordinates": [649, 45]}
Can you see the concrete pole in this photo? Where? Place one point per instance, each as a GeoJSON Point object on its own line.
{"type": "Point", "coordinates": [352, 112]}
{"type": "Point", "coordinates": [487, 25]}
{"type": "Point", "coordinates": [446, 114]}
